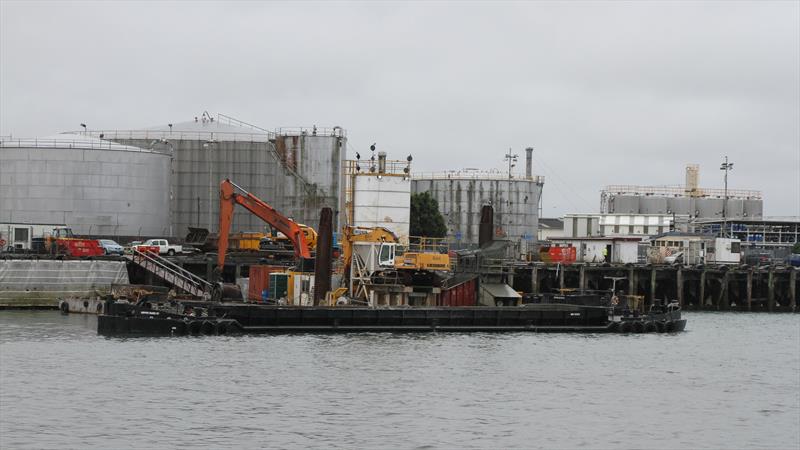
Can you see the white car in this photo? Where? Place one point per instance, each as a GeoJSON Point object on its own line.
{"type": "Point", "coordinates": [164, 248]}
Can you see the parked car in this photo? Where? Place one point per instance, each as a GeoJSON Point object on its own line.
{"type": "Point", "coordinates": [164, 247]}
{"type": "Point", "coordinates": [675, 258]}
{"type": "Point", "coordinates": [111, 247]}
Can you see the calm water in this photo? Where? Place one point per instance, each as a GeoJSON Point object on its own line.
{"type": "Point", "coordinates": [730, 381]}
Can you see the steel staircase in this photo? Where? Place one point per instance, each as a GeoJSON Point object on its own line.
{"type": "Point", "coordinates": [173, 274]}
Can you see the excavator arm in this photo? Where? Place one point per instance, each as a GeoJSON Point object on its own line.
{"type": "Point", "coordinates": [229, 198]}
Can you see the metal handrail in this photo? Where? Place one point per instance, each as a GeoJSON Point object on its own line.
{"type": "Point", "coordinates": [173, 268]}
{"type": "Point", "coordinates": [92, 144]}
{"type": "Point", "coordinates": [224, 136]}
{"type": "Point", "coordinates": [681, 191]}
{"type": "Point", "coordinates": [311, 131]}
{"type": "Point", "coordinates": [476, 175]}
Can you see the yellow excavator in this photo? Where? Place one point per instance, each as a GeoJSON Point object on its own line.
{"type": "Point", "coordinates": [380, 259]}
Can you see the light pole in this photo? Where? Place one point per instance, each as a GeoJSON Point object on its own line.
{"type": "Point", "coordinates": [726, 166]}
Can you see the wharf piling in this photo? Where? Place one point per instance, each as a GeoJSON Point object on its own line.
{"type": "Point", "coordinates": [706, 288]}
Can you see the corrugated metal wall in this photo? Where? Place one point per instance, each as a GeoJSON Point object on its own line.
{"type": "Point", "coordinates": [95, 191]}
{"type": "Point", "coordinates": [298, 183]}
{"type": "Point", "coordinates": [515, 203]}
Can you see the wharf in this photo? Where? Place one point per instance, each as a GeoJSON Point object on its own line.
{"type": "Point", "coordinates": [706, 288]}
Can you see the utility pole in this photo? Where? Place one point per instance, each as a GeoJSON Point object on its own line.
{"type": "Point", "coordinates": [512, 161]}
{"type": "Point", "coordinates": [726, 166]}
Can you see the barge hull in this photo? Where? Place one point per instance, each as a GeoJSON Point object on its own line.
{"type": "Point", "coordinates": [243, 318]}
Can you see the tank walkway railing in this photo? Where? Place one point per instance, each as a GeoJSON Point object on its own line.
{"type": "Point", "coordinates": [172, 273]}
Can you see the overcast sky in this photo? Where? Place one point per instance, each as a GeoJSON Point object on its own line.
{"type": "Point", "coordinates": [606, 93]}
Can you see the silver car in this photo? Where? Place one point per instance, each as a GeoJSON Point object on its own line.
{"type": "Point", "coordinates": [111, 247]}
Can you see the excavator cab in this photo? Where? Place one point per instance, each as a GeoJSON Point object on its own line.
{"type": "Point", "coordinates": [386, 254]}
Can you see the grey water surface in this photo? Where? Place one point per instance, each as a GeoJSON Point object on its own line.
{"type": "Point", "coordinates": [732, 380]}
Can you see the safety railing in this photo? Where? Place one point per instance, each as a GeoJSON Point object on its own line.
{"type": "Point", "coordinates": [681, 191]}
{"type": "Point", "coordinates": [311, 131]}
{"type": "Point", "coordinates": [224, 136]}
{"type": "Point", "coordinates": [171, 272]}
{"type": "Point", "coordinates": [366, 166]}
{"type": "Point", "coordinates": [496, 175]}
{"type": "Point", "coordinates": [91, 144]}
{"type": "Point", "coordinates": [421, 244]}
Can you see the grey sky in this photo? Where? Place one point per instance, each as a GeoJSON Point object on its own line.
{"type": "Point", "coordinates": [607, 93]}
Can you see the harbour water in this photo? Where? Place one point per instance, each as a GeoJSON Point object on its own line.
{"type": "Point", "coordinates": [732, 380]}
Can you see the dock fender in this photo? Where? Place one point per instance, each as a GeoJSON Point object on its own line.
{"type": "Point", "coordinates": [63, 306]}
{"type": "Point", "coordinates": [234, 327]}
{"type": "Point", "coordinates": [222, 327]}
{"type": "Point", "coordinates": [625, 327]}
{"type": "Point", "coordinates": [208, 327]}
{"type": "Point", "coordinates": [661, 326]}
{"type": "Point", "coordinates": [650, 327]}
{"type": "Point", "coordinates": [669, 326]}
{"type": "Point", "coordinates": [194, 327]}
{"type": "Point", "coordinates": [638, 326]}
{"type": "Point", "coordinates": [613, 327]}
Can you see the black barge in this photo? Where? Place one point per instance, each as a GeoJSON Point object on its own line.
{"type": "Point", "coordinates": [177, 318]}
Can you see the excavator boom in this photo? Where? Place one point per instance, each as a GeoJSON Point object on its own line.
{"type": "Point", "coordinates": [229, 198]}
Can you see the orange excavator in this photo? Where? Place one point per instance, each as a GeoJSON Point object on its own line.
{"type": "Point", "coordinates": [229, 198]}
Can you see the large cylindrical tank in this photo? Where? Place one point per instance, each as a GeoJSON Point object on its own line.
{"type": "Point", "coordinates": [462, 195]}
{"type": "Point", "coordinates": [95, 186]}
{"type": "Point", "coordinates": [296, 171]}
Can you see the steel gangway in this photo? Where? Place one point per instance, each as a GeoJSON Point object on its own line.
{"type": "Point", "coordinates": [175, 275]}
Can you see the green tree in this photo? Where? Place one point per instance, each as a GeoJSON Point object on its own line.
{"type": "Point", "coordinates": [795, 247]}
{"type": "Point", "coordinates": [426, 220]}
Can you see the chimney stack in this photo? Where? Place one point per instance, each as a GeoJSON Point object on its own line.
{"type": "Point", "coordinates": [528, 162]}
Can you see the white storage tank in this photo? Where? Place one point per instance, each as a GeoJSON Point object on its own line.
{"type": "Point", "coordinates": [379, 195]}
{"type": "Point", "coordinates": [95, 186]}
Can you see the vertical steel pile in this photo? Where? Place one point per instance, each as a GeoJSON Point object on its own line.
{"type": "Point", "coordinates": [322, 267]}
{"type": "Point", "coordinates": [486, 230]}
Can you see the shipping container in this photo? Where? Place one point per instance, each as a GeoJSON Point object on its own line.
{"type": "Point", "coordinates": [563, 255]}
{"type": "Point", "coordinates": [462, 294]}
{"type": "Point", "coordinates": [258, 290]}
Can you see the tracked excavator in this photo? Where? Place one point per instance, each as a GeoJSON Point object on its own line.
{"type": "Point", "coordinates": [371, 256]}
{"type": "Point", "coordinates": [230, 195]}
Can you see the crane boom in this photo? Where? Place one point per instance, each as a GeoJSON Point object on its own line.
{"type": "Point", "coordinates": [228, 198]}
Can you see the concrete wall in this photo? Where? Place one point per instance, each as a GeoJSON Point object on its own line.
{"type": "Point", "coordinates": [99, 191]}
{"type": "Point", "coordinates": [515, 203]}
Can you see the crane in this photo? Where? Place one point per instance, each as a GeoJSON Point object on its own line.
{"type": "Point", "coordinates": [229, 198]}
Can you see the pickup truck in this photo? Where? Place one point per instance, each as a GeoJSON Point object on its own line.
{"type": "Point", "coordinates": [163, 247]}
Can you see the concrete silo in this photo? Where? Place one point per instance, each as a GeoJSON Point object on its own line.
{"type": "Point", "coordinates": [95, 186]}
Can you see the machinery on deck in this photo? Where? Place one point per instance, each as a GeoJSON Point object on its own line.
{"type": "Point", "coordinates": [63, 242]}
{"type": "Point", "coordinates": [229, 198]}
{"type": "Point", "coordinates": [371, 257]}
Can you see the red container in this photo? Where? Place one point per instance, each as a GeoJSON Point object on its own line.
{"type": "Point", "coordinates": [259, 281]}
{"type": "Point", "coordinates": [81, 247]}
{"type": "Point", "coordinates": [463, 294]}
{"type": "Point", "coordinates": [554, 255]}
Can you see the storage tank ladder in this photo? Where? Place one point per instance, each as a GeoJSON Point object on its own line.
{"type": "Point", "coordinates": [173, 274]}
